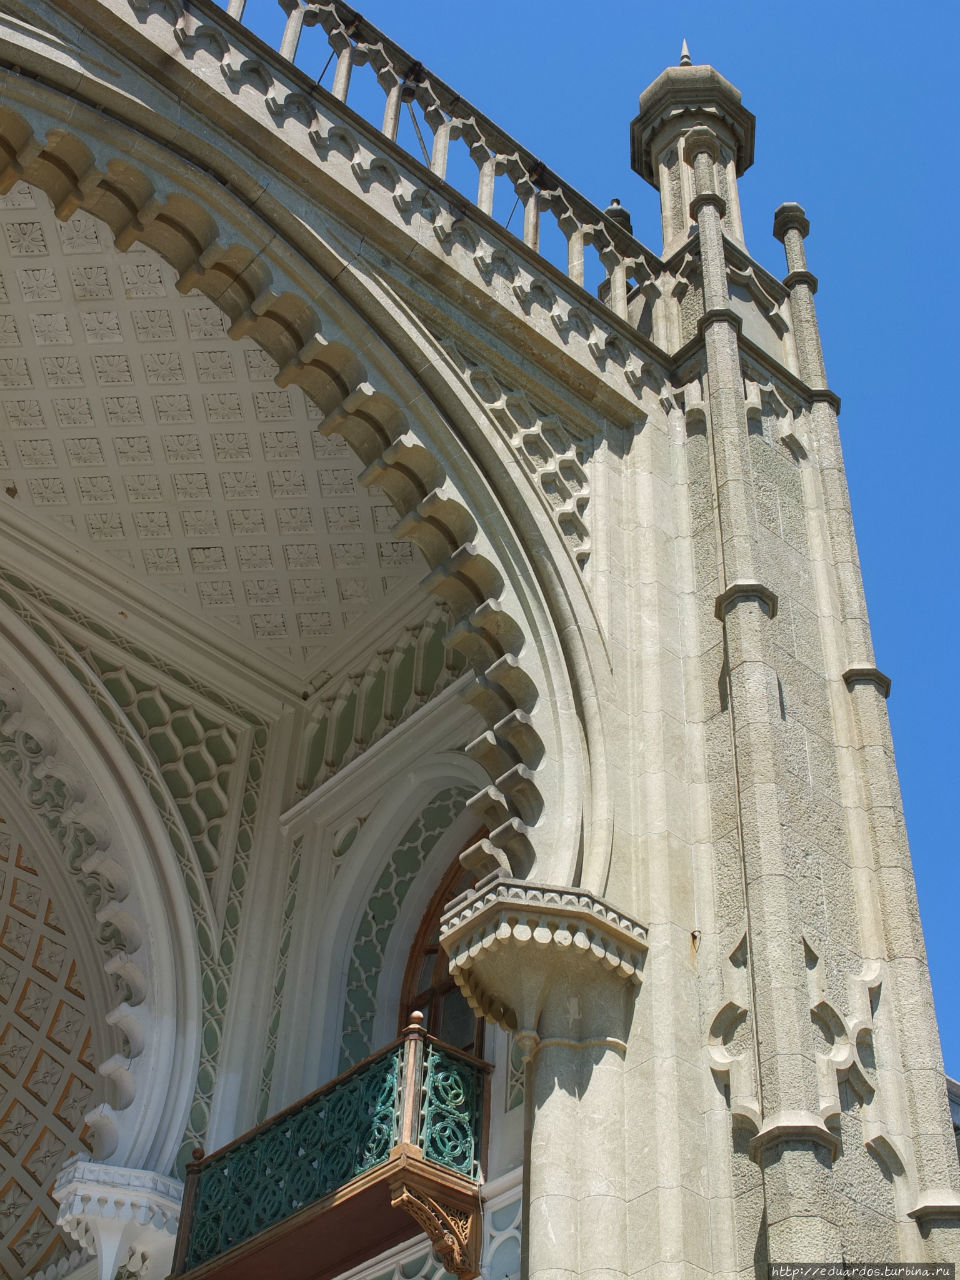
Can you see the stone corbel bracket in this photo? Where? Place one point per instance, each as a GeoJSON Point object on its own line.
{"type": "Point", "coordinates": [120, 1215]}
{"type": "Point", "coordinates": [509, 941]}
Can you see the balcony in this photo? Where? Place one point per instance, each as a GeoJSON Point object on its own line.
{"type": "Point", "coordinates": [387, 1150]}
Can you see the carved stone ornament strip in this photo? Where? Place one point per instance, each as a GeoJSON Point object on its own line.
{"type": "Point", "coordinates": [511, 924]}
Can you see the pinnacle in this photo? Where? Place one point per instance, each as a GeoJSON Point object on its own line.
{"type": "Point", "coordinates": [685, 59]}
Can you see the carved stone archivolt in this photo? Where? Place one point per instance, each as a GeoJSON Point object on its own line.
{"type": "Point", "coordinates": [281, 328]}
{"type": "Point", "coordinates": [549, 449]}
{"type": "Point", "coordinates": [117, 868]}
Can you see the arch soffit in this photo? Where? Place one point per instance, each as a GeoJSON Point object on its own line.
{"type": "Point", "coordinates": [521, 617]}
{"type": "Point", "coordinates": [143, 909]}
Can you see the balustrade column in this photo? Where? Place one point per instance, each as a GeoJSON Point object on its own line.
{"type": "Point", "coordinates": [486, 183]}
{"type": "Point", "coordinates": [341, 77]}
{"type": "Point", "coordinates": [531, 220]}
{"type": "Point", "coordinates": [291, 31]}
{"type": "Point", "coordinates": [391, 111]}
{"type": "Point", "coordinates": [793, 1148]}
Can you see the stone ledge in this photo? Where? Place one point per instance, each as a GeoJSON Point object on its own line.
{"type": "Point", "coordinates": [802, 277]}
{"type": "Point", "coordinates": [707, 199]}
{"type": "Point", "coordinates": [867, 675]}
{"type": "Point", "coordinates": [745, 591]}
{"type": "Point", "coordinates": [823, 395]}
{"type": "Point", "coordinates": [525, 896]}
{"type": "Point", "coordinates": [716, 314]}
{"type": "Point", "coordinates": [936, 1205]}
{"type": "Point", "coordinates": [508, 939]}
{"type": "Point", "coordinates": [793, 1126]}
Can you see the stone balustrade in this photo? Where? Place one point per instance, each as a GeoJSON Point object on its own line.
{"type": "Point", "coordinates": [448, 117]}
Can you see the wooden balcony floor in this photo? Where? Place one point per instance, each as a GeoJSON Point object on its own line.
{"type": "Point", "coordinates": [350, 1226]}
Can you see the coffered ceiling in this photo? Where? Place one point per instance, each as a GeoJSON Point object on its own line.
{"type": "Point", "coordinates": [48, 1078]}
{"type": "Point", "coordinates": [135, 434]}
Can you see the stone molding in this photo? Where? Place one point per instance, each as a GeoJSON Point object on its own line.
{"type": "Point", "coordinates": [793, 1126]}
{"type": "Point", "coordinates": [867, 675]}
{"type": "Point", "coordinates": [715, 314]}
{"type": "Point", "coordinates": [510, 937]}
{"type": "Point", "coordinates": [790, 217]}
{"type": "Point", "coordinates": [120, 1215]}
{"type": "Point", "coordinates": [737, 591]}
{"type": "Point", "coordinates": [936, 1206]}
{"type": "Point", "coordinates": [825, 396]}
{"type": "Point", "coordinates": [802, 277]}
{"type": "Point", "coordinates": [707, 200]}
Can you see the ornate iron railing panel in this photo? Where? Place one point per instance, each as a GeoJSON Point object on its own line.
{"type": "Point", "coordinates": [296, 1159]}
{"type": "Point", "coordinates": [451, 1111]}
{"type": "Point", "coordinates": [416, 1093]}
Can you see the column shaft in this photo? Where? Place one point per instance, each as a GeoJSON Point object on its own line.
{"type": "Point", "coordinates": [793, 1147]}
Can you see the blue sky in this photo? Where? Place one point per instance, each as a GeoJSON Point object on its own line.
{"type": "Point", "coordinates": [854, 122]}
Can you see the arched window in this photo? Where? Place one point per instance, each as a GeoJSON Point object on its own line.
{"type": "Point", "coordinates": [427, 985]}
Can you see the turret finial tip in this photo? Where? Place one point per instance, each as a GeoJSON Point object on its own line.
{"type": "Point", "coordinates": [685, 59]}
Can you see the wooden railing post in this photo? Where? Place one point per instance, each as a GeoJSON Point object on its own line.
{"type": "Point", "coordinates": [411, 1079]}
{"type": "Point", "coordinates": [191, 1185]}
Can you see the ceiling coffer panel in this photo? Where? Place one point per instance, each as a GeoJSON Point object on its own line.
{"type": "Point", "coordinates": [133, 428]}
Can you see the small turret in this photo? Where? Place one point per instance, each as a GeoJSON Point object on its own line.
{"type": "Point", "coordinates": [682, 99]}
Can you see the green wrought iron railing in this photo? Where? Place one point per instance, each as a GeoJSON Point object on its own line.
{"type": "Point", "coordinates": [416, 1091]}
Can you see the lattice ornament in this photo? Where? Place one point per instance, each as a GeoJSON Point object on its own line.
{"type": "Point", "coordinates": [364, 705]}
{"type": "Point", "coordinates": [48, 1077]}
{"type": "Point", "coordinates": [298, 1159]}
{"type": "Point", "coordinates": [551, 450]}
{"type": "Point", "coordinates": [46, 795]}
{"type": "Point", "coordinates": [450, 1112]}
{"type": "Point", "coordinates": [381, 912]}
{"type": "Point", "coordinates": [196, 753]}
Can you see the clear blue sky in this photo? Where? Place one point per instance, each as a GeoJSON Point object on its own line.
{"type": "Point", "coordinates": [855, 106]}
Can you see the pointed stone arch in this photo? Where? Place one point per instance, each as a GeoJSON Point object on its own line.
{"type": "Point", "coordinates": [528, 635]}
{"type": "Point", "coordinates": [69, 770]}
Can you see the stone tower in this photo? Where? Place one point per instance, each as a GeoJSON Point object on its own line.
{"type": "Point", "coordinates": [450, 824]}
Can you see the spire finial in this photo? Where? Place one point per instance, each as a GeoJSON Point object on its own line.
{"type": "Point", "coordinates": [685, 59]}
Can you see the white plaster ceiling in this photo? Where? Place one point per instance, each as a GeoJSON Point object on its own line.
{"type": "Point", "coordinates": [141, 436]}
